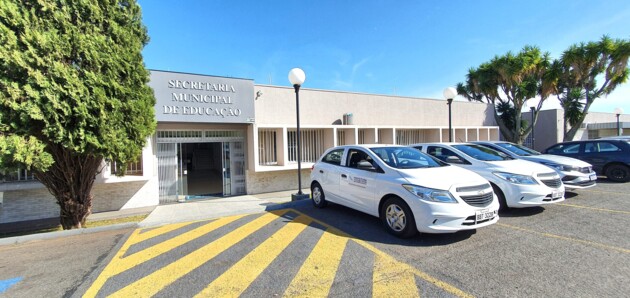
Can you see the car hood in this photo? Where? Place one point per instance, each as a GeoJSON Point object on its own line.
{"type": "Point", "coordinates": [557, 159]}
{"type": "Point", "coordinates": [441, 177]}
{"type": "Point", "coordinates": [519, 166]}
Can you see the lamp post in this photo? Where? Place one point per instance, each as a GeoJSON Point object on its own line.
{"type": "Point", "coordinates": [618, 111]}
{"type": "Point", "coordinates": [531, 104]}
{"type": "Point", "coordinates": [450, 93]}
{"type": "Point", "coordinates": [297, 78]}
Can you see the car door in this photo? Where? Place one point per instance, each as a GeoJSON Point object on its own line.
{"type": "Point", "coordinates": [359, 180]}
{"type": "Point", "coordinates": [329, 172]}
{"type": "Point", "coordinates": [598, 154]}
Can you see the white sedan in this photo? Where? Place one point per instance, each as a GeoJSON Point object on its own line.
{"type": "Point", "coordinates": [517, 183]}
{"type": "Point", "coordinates": [408, 190]}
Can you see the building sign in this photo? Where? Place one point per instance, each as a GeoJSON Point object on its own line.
{"type": "Point", "coordinates": [184, 97]}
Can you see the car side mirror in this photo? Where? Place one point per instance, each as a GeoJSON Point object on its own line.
{"type": "Point", "coordinates": [455, 160]}
{"type": "Point", "coordinates": [365, 165]}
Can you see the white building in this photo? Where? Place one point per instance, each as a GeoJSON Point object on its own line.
{"type": "Point", "coordinates": [221, 136]}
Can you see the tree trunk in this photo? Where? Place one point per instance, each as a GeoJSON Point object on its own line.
{"type": "Point", "coordinates": [70, 180]}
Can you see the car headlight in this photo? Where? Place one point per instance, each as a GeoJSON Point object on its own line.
{"type": "Point", "coordinates": [430, 194]}
{"type": "Point", "coordinates": [560, 167]}
{"type": "Point", "coordinates": [515, 178]}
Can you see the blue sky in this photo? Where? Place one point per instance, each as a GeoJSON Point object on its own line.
{"type": "Point", "coordinates": [407, 48]}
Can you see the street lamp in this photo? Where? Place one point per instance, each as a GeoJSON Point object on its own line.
{"type": "Point", "coordinates": [450, 93]}
{"type": "Point", "coordinates": [531, 104]}
{"type": "Point", "coordinates": [297, 78]}
{"type": "Point", "coordinates": [618, 111]}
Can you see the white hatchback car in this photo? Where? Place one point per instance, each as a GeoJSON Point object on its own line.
{"type": "Point", "coordinates": [408, 190]}
{"type": "Point", "coordinates": [517, 183]}
{"type": "Point", "coordinates": [575, 174]}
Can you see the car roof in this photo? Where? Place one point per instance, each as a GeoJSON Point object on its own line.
{"type": "Point", "coordinates": [442, 143]}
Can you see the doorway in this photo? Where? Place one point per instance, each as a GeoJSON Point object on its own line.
{"type": "Point", "coordinates": [200, 170]}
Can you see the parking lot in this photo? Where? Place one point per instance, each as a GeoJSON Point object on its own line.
{"type": "Point", "coordinates": [576, 248]}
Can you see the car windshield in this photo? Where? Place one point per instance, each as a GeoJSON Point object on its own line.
{"type": "Point", "coordinates": [519, 150]}
{"type": "Point", "coordinates": [406, 158]}
{"type": "Point", "coordinates": [482, 153]}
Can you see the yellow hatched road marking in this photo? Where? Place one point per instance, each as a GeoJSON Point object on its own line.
{"type": "Point", "coordinates": [593, 208]}
{"type": "Point", "coordinates": [158, 280]}
{"type": "Point", "coordinates": [317, 273]}
{"type": "Point", "coordinates": [390, 279]}
{"type": "Point", "coordinates": [157, 232]}
{"type": "Point", "coordinates": [235, 280]}
{"type": "Point", "coordinates": [591, 243]}
{"type": "Point", "coordinates": [441, 284]}
{"type": "Point", "coordinates": [120, 264]}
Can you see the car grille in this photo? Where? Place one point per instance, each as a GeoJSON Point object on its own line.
{"type": "Point", "coordinates": [473, 188]}
{"type": "Point", "coordinates": [553, 183]}
{"type": "Point", "coordinates": [478, 200]}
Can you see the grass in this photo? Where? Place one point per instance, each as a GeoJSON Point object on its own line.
{"type": "Point", "coordinates": [88, 224]}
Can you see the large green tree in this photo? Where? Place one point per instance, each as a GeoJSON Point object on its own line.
{"type": "Point", "coordinates": [585, 72]}
{"type": "Point", "coordinates": [73, 93]}
{"type": "Point", "coordinates": [506, 82]}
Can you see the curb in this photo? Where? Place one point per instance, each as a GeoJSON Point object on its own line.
{"type": "Point", "coordinates": [58, 234]}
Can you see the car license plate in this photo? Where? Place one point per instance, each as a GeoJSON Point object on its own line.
{"type": "Point", "coordinates": [484, 214]}
{"type": "Point", "coordinates": [556, 194]}
{"type": "Point", "coordinates": [592, 177]}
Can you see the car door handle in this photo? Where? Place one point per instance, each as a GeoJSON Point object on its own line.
{"type": "Point", "coordinates": [344, 176]}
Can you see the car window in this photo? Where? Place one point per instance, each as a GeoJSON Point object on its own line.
{"type": "Point", "coordinates": [333, 157]}
{"type": "Point", "coordinates": [405, 158]}
{"type": "Point", "coordinates": [607, 147]}
{"type": "Point", "coordinates": [519, 150]}
{"type": "Point", "coordinates": [564, 149]}
{"type": "Point", "coordinates": [446, 155]}
{"type": "Point", "coordinates": [358, 159]}
{"type": "Point", "coordinates": [482, 153]}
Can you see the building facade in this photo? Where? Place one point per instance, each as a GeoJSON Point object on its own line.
{"type": "Point", "coordinates": [549, 128]}
{"type": "Point", "coordinates": [220, 136]}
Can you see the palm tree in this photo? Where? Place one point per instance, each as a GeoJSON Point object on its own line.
{"type": "Point", "coordinates": [507, 82]}
{"type": "Point", "coordinates": [580, 68]}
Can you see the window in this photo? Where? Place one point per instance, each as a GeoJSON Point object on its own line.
{"type": "Point", "coordinates": [482, 153]}
{"type": "Point", "coordinates": [132, 168]}
{"type": "Point", "coordinates": [312, 144]}
{"type": "Point", "coordinates": [360, 160]}
{"type": "Point", "coordinates": [607, 147]}
{"type": "Point", "coordinates": [564, 149]}
{"type": "Point", "coordinates": [446, 155]}
{"type": "Point", "coordinates": [267, 151]}
{"type": "Point", "coordinates": [409, 136]}
{"type": "Point", "coordinates": [17, 175]}
{"type": "Point", "coordinates": [333, 157]}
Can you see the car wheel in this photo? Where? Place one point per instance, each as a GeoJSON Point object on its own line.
{"type": "Point", "coordinates": [317, 195]}
{"type": "Point", "coordinates": [398, 218]}
{"type": "Point", "coordinates": [618, 173]}
{"type": "Point", "coordinates": [503, 206]}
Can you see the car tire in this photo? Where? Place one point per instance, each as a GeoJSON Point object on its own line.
{"type": "Point", "coordinates": [503, 206]}
{"type": "Point", "coordinates": [398, 218]}
{"type": "Point", "coordinates": [317, 196]}
{"type": "Point", "coordinates": [618, 173]}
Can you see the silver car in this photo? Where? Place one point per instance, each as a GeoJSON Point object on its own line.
{"type": "Point", "coordinates": [575, 173]}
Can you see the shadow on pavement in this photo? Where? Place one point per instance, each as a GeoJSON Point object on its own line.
{"type": "Point", "coordinates": [369, 228]}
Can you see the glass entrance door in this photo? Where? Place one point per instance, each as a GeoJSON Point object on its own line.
{"type": "Point", "coordinates": [194, 170]}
